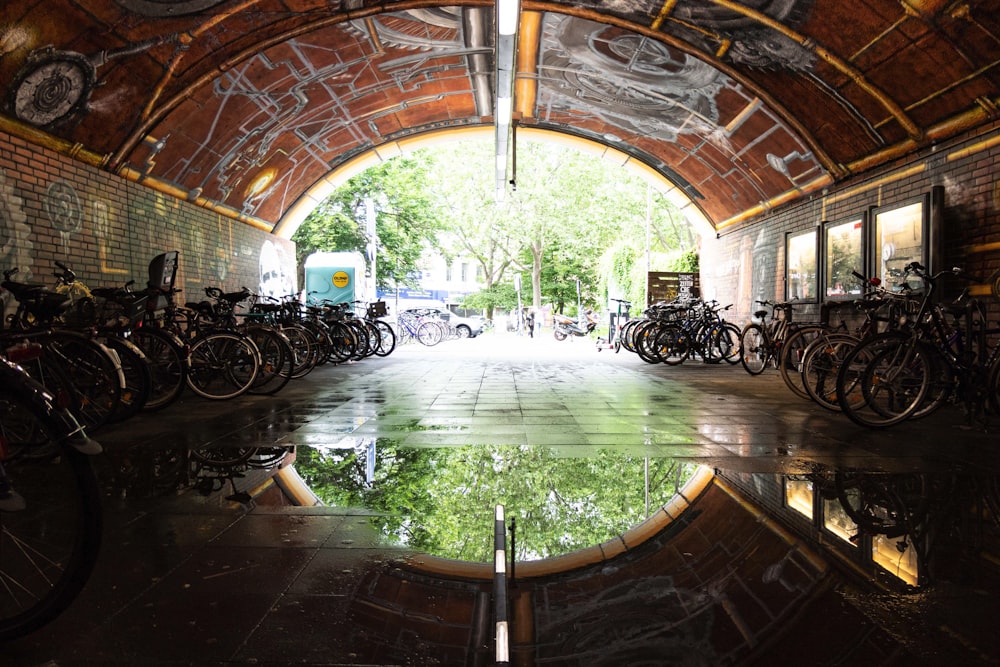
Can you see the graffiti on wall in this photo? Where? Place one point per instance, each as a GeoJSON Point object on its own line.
{"type": "Point", "coordinates": [275, 280]}
{"type": "Point", "coordinates": [64, 211]}
{"type": "Point", "coordinates": [15, 236]}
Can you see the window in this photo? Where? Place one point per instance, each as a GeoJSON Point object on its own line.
{"type": "Point", "coordinates": [842, 242]}
{"type": "Point", "coordinates": [897, 556]}
{"type": "Point", "coordinates": [837, 521]}
{"type": "Point", "coordinates": [801, 278]}
{"type": "Point", "coordinates": [899, 240]}
{"type": "Point", "coordinates": [448, 272]}
{"type": "Point", "coordinates": [799, 496]}
{"type": "Point", "coordinates": [465, 272]}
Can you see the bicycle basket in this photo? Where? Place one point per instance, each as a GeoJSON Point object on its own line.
{"type": "Point", "coordinates": [378, 309]}
{"type": "Point", "coordinates": [122, 312]}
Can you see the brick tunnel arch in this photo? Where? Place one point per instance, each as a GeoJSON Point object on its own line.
{"type": "Point", "coordinates": [315, 195]}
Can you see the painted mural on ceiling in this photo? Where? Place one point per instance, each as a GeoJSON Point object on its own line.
{"type": "Point", "coordinates": [251, 104]}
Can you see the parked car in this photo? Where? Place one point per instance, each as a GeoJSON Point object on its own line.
{"type": "Point", "coordinates": [467, 327]}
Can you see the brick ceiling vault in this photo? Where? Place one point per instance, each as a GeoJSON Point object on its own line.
{"type": "Point", "coordinates": [246, 105]}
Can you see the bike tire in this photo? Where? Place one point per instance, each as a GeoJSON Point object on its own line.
{"type": "Point", "coordinates": [672, 345]}
{"type": "Point", "coordinates": [168, 365]}
{"type": "Point", "coordinates": [51, 545]}
{"type": "Point", "coordinates": [93, 371]}
{"type": "Point", "coordinates": [821, 362]}
{"type": "Point", "coordinates": [429, 334]}
{"type": "Point", "coordinates": [138, 386]}
{"type": "Point", "coordinates": [729, 342]}
{"type": "Point", "coordinates": [792, 354]}
{"type": "Point", "coordinates": [386, 339]}
{"type": "Point", "coordinates": [277, 360]}
{"type": "Point", "coordinates": [224, 365]}
{"type": "Point", "coordinates": [883, 380]}
{"type": "Point", "coordinates": [754, 350]}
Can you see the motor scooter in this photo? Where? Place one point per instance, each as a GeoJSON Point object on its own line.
{"type": "Point", "coordinates": [567, 326]}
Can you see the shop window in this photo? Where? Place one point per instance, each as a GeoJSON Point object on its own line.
{"type": "Point", "coordinates": [799, 496]}
{"type": "Point", "coordinates": [843, 255]}
{"type": "Point", "coordinates": [897, 557]}
{"type": "Point", "coordinates": [898, 240]}
{"type": "Point", "coordinates": [837, 521]}
{"type": "Point", "coordinates": [801, 276]}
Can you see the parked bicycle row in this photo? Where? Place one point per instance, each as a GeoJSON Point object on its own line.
{"type": "Point", "coordinates": [673, 332]}
{"type": "Point", "coordinates": [109, 353]}
{"type": "Point", "coordinates": [51, 510]}
{"type": "Point", "coordinates": [907, 357]}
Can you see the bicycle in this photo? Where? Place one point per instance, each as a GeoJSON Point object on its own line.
{"type": "Point", "coordinates": [84, 371]}
{"type": "Point", "coordinates": [700, 331]}
{"type": "Point", "coordinates": [614, 341]}
{"type": "Point", "coordinates": [911, 372]}
{"type": "Point", "coordinates": [50, 503]}
{"type": "Point", "coordinates": [822, 358]}
{"type": "Point", "coordinates": [761, 341]}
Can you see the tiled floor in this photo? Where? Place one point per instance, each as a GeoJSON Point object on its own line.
{"type": "Point", "coordinates": [186, 579]}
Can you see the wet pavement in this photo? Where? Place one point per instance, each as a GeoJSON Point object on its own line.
{"type": "Point", "coordinates": [220, 570]}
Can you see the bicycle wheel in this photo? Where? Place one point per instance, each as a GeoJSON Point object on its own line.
{"type": "Point", "coordinates": [360, 332]}
{"type": "Point", "coordinates": [138, 385]}
{"type": "Point", "coordinates": [728, 342]}
{"type": "Point", "coordinates": [48, 545]}
{"type": "Point", "coordinates": [754, 350]}
{"type": "Point", "coordinates": [627, 334]}
{"type": "Point", "coordinates": [95, 374]}
{"type": "Point", "coordinates": [343, 342]}
{"type": "Point", "coordinates": [168, 365]}
{"type": "Point", "coordinates": [820, 364]}
{"type": "Point", "coordinates": [883, 380]}
{"type": "Point", "coordinates": [223, 365]}
{"type": "Point", "coordinates": [672, 345]}
{"type": "Point", "coordinates": [386, 339]}
{"type": "Point", "coordinates": [277, 360]}
{"type": "Point", "coordinates": [792, 353]}
{"type": "Point", "coordinates": [429, 334]}
{"type": "Point", "coordinates": [306, 353]}
{"type": "Point", "coordinates": [645, 342]}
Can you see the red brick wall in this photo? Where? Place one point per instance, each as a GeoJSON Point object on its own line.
{"type": "Point", "coordinates": [108, 229]}
{"type": "Point", "coordinates": [747, 261]}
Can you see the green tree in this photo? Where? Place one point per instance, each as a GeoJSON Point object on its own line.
{"type": "Point", "coordinates": [441, 501]}
{"type": "Point", "coordinates": [406, 215]}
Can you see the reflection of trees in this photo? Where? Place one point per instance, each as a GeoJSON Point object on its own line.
{"type": "Point", "coordinates": [441, 501]}
{"type": "Point", "coordinates": [843, 255]}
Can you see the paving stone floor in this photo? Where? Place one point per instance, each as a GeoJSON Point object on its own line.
{"type": "Point", "coordinates": [184, 581]}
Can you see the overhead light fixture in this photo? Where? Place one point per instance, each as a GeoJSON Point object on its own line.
{"type": "Point", "coordinates": [508, 15]}
{"type": "Point", "coordinates": [508, 12]}
{"type": "Point", "coordinates": [505, 107]}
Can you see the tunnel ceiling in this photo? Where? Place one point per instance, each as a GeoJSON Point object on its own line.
{"type": "Point", "coordinates": [251, 102]}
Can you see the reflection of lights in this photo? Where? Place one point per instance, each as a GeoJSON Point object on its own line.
{"type": "Point", "coordinates": [12, 38]}
{"type": "Point", "coordinates": [260, 183]}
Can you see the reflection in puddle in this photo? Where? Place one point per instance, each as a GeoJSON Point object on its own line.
{"type": "Point", "coordinates": [441, 500]}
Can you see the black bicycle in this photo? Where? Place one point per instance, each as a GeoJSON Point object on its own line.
{"type": "Point", "coordinates": [50, 504]}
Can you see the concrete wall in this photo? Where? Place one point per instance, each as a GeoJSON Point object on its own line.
{"type": "Point", "coordinates": [959, 180]}
{"type": "Point", "coordinates": [107, 230]}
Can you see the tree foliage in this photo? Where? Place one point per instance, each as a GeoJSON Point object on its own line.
{"type": "Point", "coordinates": [406, 215]}
{"type": "Point", "coordinates": [441, 501]}
{"type": "Point", "coordinates": [571, 217]}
